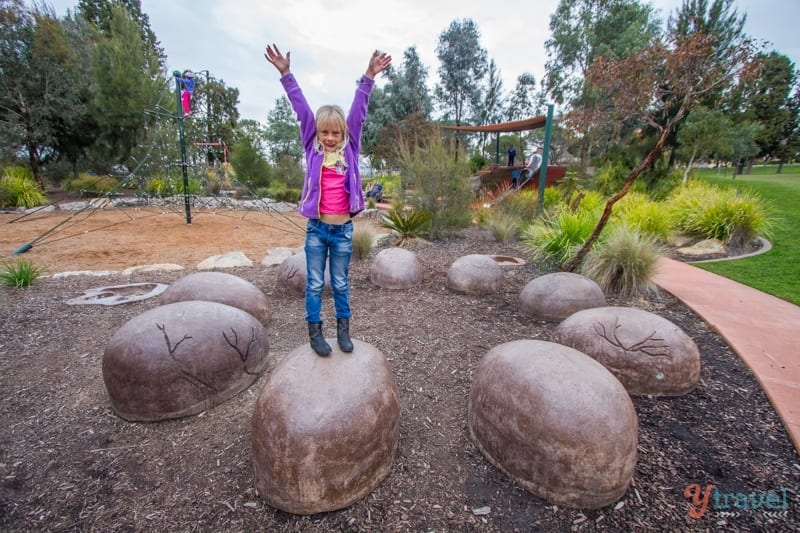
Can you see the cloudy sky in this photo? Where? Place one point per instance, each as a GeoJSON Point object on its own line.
{"type": "Point", "coordinates": [331, 42]}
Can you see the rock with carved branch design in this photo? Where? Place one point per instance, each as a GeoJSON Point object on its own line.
{"type": "Point", "coordinates": [649, 354]}
{"type": "Point", "coordinates": [182, 358]}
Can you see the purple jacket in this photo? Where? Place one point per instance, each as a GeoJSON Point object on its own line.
{"type": "Point", "coordinates": [309, 200]}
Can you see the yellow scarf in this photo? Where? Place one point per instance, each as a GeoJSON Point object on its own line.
{"type": "Point", "coordinates": [334, 159]}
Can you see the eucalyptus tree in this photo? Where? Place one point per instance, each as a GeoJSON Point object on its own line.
{"type": "Point", "coordinates": [491, 107]}
{"type": "Point", "coordinates": [129, 84]}
{"type": "Point", "coordinates": [723, 26]}
{"type": "Point", "coordinates": [769, 102]}
{"type": "Point", "coordinates": [675, 74]}
{"type": "Point", "coordinates": [43, 87]}
{"type": "Point", "coordinates": [396, 111]}
{"type": "Point", "coordinates": [463, 64]}
{"type": "Point", "coordinates": [705, 132]}
{"type": "Point", "coordinates": [100, 13]}
{"type": "Point", "coordinates": [407, 90]}
{"type": "Point", "coordinates": [282, 132]}
{"type": "Point", "coordinates": [583, 31]}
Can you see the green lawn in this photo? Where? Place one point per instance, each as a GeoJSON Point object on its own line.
{"type": "Point", "coordinates": [778, 271]}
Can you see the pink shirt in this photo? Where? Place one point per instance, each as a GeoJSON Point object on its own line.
{"type": "Point", "coordinates": [334, 199]}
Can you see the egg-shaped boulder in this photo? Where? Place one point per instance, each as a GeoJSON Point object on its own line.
{"type": "Point", "coordinates": [395, 268]}
{"type": "Point", "coordinates": [325, 429]}
{"type": "Point", "coordinates": [222, 288]}
{"type": "Point", "coordinates": [556, 296]}
{"type": "Point", "coordinates": [649, 354]}
{"type": "Point", "coordinates": [556, 421]}
{"type": "Point", "coordinates": [292, 275]}
{"type": "Point", "coordinates": [182, 358]}
{"type": "Point", "coordinates": [474, 274]}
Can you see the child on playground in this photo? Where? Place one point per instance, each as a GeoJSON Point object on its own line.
{"type": "Point", "coordinates": [331, 193]}
{"type": "Point", "coordinates": [187, 85]}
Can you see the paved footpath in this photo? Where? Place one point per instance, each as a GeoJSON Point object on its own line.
{"type": "Point", "coordinates": [762, 329]}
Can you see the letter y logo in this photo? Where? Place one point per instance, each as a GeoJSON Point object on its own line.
{"type": "Point", "coordinates": [699, 499]}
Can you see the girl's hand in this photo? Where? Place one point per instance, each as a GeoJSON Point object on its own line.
{"type": "Point", "coordinates": [275, 57]}
{"type": "Point", "coordinates": [378, 63]}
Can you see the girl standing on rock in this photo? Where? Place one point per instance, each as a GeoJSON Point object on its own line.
{"type": "Point", "coordinates": [331, 193]}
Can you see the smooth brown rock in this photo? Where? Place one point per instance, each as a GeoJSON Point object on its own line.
{"type": "Point", "coordinates": [649, 354]}
{"type": "Point", "coordinates": [395, 268]}
{"type": "Point", "coordinates": [183, 358]}
{"type": "Point", "coordinates": [292, 275]}
{"type": "Point", "coordinates": [555, 421]}
{"type": "Point", "coordinates": [474, 274]}
{"type": "Point", "coordinates": [556, 296]}
{"type": "Point", "coordinates": [325, 429]}
{"type": "Point", "coordinates": [222, 288]}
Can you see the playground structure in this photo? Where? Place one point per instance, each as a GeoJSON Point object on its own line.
{"type": "Point", "coordinates": [491, 177]}
{"type": "Point", "coordinates": [67, 215]}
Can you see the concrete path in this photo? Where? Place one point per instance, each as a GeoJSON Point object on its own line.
{"type": "Point", "coordinates": [762, 329]}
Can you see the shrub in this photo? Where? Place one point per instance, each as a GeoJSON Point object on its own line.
{"type": "Point", "coordinates": [505, 229]}
{"type": "Point", "coordinates": [556, 238]}
{"type": "Point", "coordinates": [18, 188]}
{"type": "Point", "coordinates": [407, 224]}
{"type": "Point", "coordinates": [362, 242]}
{"type": "Point", "coordinates": [21, 273]}
{"type": "Point", "coordinates": [704, 210]}
{"type": "Point", "coordinates": [644, 216]}
{"type": "Point", "coordinates": [611, 177]}
{"type": "Point", "coordinates": [439, 174]}
{"type": "Point", "coordinates": [521, 205]}
{"type": "Point", "coordinates": [477, 162]}
{"type": "Point", "coordinates": [92, 184]}
{"type": "Point", "coordinates": [623, 262]}
{"type": "Point", "coordinates": [171, 186]}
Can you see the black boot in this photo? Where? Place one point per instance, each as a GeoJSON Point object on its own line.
{"type": "Point", "coordinates": [318, 343]}
{"type": "Point", "coordinates": [343, 334]}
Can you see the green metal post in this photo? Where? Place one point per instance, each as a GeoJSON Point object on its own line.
{"type": "Point", "coordinates": [548, 129]}
{"type": "Point", "coordinates": [497, 149]}
{"type": "Point", "coordinates": [182, 139]}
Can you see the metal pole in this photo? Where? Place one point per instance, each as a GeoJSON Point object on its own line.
{"type": "Point", "coordinates": [182, 139]}
{"type": "Point", "coordinates": [548, 128]}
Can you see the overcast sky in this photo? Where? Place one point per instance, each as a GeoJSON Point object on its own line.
{"type": "Point", "coordinates": [331, 42]}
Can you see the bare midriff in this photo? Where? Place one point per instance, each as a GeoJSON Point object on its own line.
{"type": "Point", "coordinates": [334, 218]}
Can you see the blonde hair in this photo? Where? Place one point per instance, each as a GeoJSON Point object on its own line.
{"type": "Point", "coordinates": [331, 115]}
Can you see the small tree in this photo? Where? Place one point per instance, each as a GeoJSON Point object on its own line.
{"type": "Point", "coordinates": [438, 175]}
{"type": "Point", "coordinates": [666, 75]}
{"type": "Point", "coordinates": [705, 132]}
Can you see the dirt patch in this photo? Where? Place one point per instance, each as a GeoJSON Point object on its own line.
{"type": "Point", "coordinates": [69, 463]}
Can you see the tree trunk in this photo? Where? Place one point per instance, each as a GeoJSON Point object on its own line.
{"type": "Point", "coordinates": [576, 261]}
{"type": "Point", "coordinates": [33, 157]}
{"type": "Point", "coordinates": [688, 167]}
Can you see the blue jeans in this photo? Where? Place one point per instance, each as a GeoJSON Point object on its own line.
{"type": "Point", "coordinates": [323, 239]}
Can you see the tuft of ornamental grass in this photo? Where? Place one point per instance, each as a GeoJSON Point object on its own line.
{"type": "Point", "coordinates": [363, 241]}
{"type": "Point", "coordinates": [504, 228]}
{"type": "Point", "coordinates": [20, 273]}
{"type": "Point", "coordinates": [636, 211]}
{"type": "Point", "coordinates": [18, 188]}
{"type": "Point", "coordinates": [734, 217]}
{"type": "Point", "coordinates": [556, 238]}
{"type": "Point", "coordinates": [521, 205]}
{"type": "Point", "coordinates": [623, 262]}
